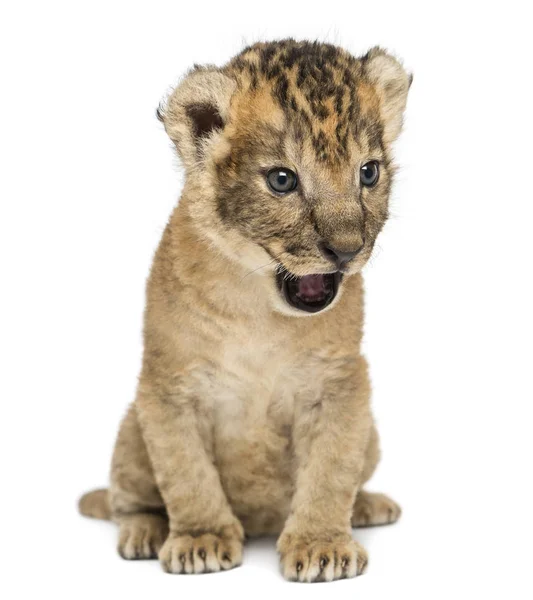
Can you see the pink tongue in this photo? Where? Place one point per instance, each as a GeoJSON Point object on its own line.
{"type": "Point", "coordinates": [311, 287]}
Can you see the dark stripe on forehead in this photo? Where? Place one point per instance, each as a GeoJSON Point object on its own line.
{"type": "Point", "coordinates": [373, 131]}
{"type": "Point", "coordinates": [281, 90]}
{"type": "Point", "coordinates": [339, 101]}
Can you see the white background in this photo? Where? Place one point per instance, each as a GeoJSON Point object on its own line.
{"type": "Point", "coordinates": [88, 179]}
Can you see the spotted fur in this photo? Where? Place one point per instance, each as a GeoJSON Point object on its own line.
{"type": "Point", "coordinates": [319, 87]}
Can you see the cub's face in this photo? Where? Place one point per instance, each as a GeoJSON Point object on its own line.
{"type": "Point", "coordinates": [289, 149]}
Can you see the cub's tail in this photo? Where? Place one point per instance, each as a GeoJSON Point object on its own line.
{"type": "Point", "coordinates": [95, 504]}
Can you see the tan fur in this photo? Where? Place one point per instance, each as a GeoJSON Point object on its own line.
{"type": "Point", "coordinates": [250, 417]}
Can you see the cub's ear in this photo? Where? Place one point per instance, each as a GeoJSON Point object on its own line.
{"type": "Point", "coordinates": [392, 82]}
{"type": "Point", "coordinates": [196, 110]}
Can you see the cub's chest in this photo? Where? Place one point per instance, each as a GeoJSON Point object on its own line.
{"type": "Point", "coordinates": [254, 386]}
{"type": "Point", "coordinates": [256, 380]}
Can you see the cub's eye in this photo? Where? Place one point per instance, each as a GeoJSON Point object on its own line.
{"type": "Point", "coordinates": [370, 173]}
{"type": "Point", "coordinates": [282, 181]}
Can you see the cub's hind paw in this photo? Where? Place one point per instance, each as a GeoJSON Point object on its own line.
{"type": "Point", "coordinates": [374, 509]}
{"type": "Point", "coordinates": [206, 553]}
{"type": "Point", "coordinates": [141, 536]}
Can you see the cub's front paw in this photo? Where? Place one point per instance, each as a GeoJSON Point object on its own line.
{"type": "Point", "coordinates": [205, 553]}
{"type": "Point", "coordinates": [321, 560]}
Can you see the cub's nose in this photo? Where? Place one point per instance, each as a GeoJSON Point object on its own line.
{"type": "Point", "coordinates": [340, 258]}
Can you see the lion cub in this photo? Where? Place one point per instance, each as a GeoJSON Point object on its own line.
{"type": "Point", "coordinates": [252, 414]}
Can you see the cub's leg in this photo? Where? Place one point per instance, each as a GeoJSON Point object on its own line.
{"type": "Point", "coordinates": [135, 502]}
{"type": "Point", "coordinates": [204, 534]}
{"type": "Point", "coordinates": [331, 439]}
{"type": "Point", "coordinates": [373, 509]}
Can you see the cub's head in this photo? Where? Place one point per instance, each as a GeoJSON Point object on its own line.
{"type": "Point", "coordinates": [287, 154]}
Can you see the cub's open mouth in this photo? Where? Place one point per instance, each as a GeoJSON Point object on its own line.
{"type": "Point", "coordinates": [310, 293]}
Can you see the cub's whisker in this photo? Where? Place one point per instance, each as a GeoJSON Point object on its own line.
{"type": "Point", "coordinates": [274, 259]}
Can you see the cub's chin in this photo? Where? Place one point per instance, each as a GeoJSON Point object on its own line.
{"type": "Point", "coordinates": [309, 294]}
